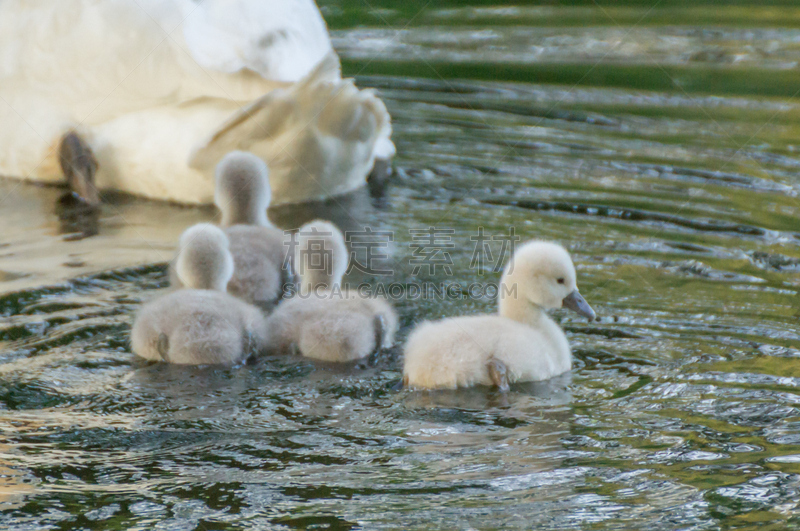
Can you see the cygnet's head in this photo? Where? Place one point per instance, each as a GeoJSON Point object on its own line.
{"type": "Point", "coordinates": [542, 274]}
{"type": "Point", "coordinates": [242, 191]}
{"type": "Point", "coordinates": [204, 261]}
{"type": "Point", "coordinates": [320, 256]}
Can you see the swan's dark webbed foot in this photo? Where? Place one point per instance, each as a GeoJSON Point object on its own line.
{"type": "Point", "coordinates": [499, 374]}
{"type": "Point", "coordinates": [79, 167]}
{"type": "Point", "coordinates": [378, 178]}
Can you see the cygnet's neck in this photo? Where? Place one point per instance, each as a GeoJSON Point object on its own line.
{"type": "Point", "coordinates": [194, 277]}
{"type": "Point", "coordinates": [319, 281]}
{"type": "Point", "coordinates": [513, 305]}
{"type": "Point", "coordinates": [216, 285]}
{"type": "Point", "coordinates": [513, 302]}
{"type": "Point", "coordinates": [249, 215]}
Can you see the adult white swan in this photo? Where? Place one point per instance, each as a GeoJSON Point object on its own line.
{"type": "Point", "coordinates": [160, 90]}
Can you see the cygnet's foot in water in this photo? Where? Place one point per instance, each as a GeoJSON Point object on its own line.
{"type": "Point", "coordinates": [379, 324]}
{"type": "Point", "coordinates": [499, 374]}
{"type": "Point", "coordinates": [79, 167]}
{"type": "Point", "coordinates": [249, 346]}
{"type": "Point", "coordinates": [378, 178]}
{"type": "Point", "coordinates": [288, 282]}
{"type": "Point", "coordinates": [163, 346]}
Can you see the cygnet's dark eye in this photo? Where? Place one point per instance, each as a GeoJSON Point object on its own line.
{"type": "Point", "coordinates": [560, 280]}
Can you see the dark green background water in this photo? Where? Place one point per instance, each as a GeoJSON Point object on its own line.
{"type": "Point", "coordinates": [658, 141]}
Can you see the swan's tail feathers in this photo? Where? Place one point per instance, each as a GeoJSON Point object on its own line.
{"type": "Point", "coordinates": [320, 137]}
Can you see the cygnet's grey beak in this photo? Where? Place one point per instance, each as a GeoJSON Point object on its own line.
{"type": "Point", "coordinates": [575, 302]}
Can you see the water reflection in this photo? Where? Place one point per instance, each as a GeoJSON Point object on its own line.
{"type": "Point", "coordinates": [77, 219]}
{"type": "Point", "coordinates": [350, 212]}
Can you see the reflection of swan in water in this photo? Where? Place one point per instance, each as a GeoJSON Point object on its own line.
{"type": "Point", "coordinates": [547, 393]}
{"type": "Point", "coordinates": [169, 381]}
{"type": "Point", "coordinates": [348, 212]}
{"type": "Point", "coordinates": [77, 218]}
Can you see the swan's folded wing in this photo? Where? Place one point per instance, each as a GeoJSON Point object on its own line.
{"type": "Point", "coordinates": [321, 101]}
{"type": "Point", "coordinates": [264, 118]}
{"type": "Point", "coordinates": [258, 120]}
{"type": "Point", "coordinates": [320, 136]}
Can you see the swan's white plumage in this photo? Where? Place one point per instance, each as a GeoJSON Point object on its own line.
{"type": "Point", "coordinates": [158, 89]}
{"type": "Point", "coordinates": [230, 36]}
{"type": "Point", "coordinates": [456, 352]}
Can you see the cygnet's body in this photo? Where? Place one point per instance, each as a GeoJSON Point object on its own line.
{"type": "Point", "coordinates": [201, 324]}
{"type": "Point", "coordinates": [258, 275]}
{"type": "Point", "coordinates": [520, 344]}
{"type": "Point", "coordinates": [243, 195]}
{"type": "Point", "coordinates": [324, 321]}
